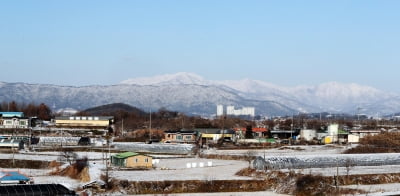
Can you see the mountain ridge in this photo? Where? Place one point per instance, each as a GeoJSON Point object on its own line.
{"type": "Point", "coordinates": [191, 93]}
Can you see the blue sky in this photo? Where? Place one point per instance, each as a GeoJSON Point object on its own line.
{"type": "Point", "coordinates": [283, 42]}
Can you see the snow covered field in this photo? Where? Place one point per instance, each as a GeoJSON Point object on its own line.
{"type": "Point", "coordinates": [155, 147]}
{"type": "Point", "coordinates": [173, 167]}
{"type": "Point", "coordinates": [377, 189]}
{"type": "Point", "coordinates": [356, 170]}
{"type": "Point", "coordinates": [287, 150]}
{"type": "Point", "coordinates": [176, 169]}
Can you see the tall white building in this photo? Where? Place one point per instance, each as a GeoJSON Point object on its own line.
{"type": "Point", "coordinates": [220, 110]}
{"type": "Point", "coordinates": [230, 110]}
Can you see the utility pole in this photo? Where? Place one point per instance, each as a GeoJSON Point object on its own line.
{"type": "Point", "coordinates": [150, 126]}
{"type": "Point", "coordinates": [291, 131]}
{"type": "Point", "coordinates": [122, 127]}
{"type": "Point", "coordinates": [12, 142]}
{"type": "Point", "coordinates": [337, 175]}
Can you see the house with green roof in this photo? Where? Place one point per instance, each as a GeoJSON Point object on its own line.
{"type": "Point", "coordinates": [131, 160]}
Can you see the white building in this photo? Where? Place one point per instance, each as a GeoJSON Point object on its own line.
{"type": "Point", "coordinates": [220, 110]}
{"type": "Point", "coordinates": [230, 110]}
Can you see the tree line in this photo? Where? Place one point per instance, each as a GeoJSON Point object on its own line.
{"type": "Point", "coordinates": [41, 111]}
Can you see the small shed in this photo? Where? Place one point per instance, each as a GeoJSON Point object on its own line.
{"type": "Point", "coordinates": [132, 160]}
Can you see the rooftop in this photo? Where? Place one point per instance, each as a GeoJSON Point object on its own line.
{"type": "Point", "coordinates": [124, 155]}
{"type": "Point", "coordinates": [12, 114]}
{"type": "Point", "coordinates": [12, 176]}
{"type": "Point", "coordinates": [84, 117]}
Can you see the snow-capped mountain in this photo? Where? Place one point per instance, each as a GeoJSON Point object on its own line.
{"type": "Point", "coordinates": [188, 98]}
{"type": "Point", "coordinates": [192, 94]}
{"type": "Point", "coordinates": [168, 79]}
{"type": "Point", "coordinates": [330, 97]}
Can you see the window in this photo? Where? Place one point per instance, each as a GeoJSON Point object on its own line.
{"type": "Point", "coordinates": [146, 160]}
{"type": "Point", "coordinates": [179, 137]}
{"type": "Point", "coordinates": [137, 160]}
{"type": "Point", "coordinates": [188, 137]}
{"type": "Point", "coordinates": [22, 123]}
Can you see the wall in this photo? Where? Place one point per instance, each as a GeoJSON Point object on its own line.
{"type": "Point", "coordinates": [139, 161]}
{"type": "Point", "coordinates": [83, 123]}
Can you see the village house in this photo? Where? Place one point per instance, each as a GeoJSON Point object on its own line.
{"type": "Point", "coordinates": [257, 132]}
{"type": "Point", "coordinates": [184, 136]}
{"type": "Point", "coordinates": [13, 120]}
{"type": "Point", "coordinates": [362, 133]}
{"type": "Point", "coordinates": [213, 135]}
{"type": "Point", "coordinates": [132, 160]}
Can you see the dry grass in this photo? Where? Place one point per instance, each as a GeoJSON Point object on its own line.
{"type": "Point", "coordinates": [192, 186]}
{"type": "Point", "coordinates": [387, 142]}
{"type": "Point", "coordinates": [18, 163]}
{"type": "Point", "coordinates": [79, 170]}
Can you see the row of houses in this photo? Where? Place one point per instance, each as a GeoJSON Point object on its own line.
{"type": "Point", "coordinates": [206, 136]}
{"type": "Point", "coordinates": [9, 120]}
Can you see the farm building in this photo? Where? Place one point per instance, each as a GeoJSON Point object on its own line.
{"type": "Point", "coordinates": [132, 160]}
{"type": "Point", "coordinates": [12, 143]}
{"type": "Point", "coordinates": [103, 122]}
{"type": "Point", "coordinates": [13, 177]}
{"type": "Point", "coordinates": [64, 141]}
{"type": "Point", "coordinates": [36, 189]}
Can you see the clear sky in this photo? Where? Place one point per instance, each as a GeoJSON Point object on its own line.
{"type": "Point", "coordinates": [288, 43]}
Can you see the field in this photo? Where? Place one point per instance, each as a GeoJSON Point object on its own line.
{"type": "Point", "coordinates": [173, 168]}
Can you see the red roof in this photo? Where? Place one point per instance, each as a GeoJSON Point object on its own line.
{"type": "Point", "coordinates": [255, 129]}
{"type": "Point", "coordinates": [259, 129]}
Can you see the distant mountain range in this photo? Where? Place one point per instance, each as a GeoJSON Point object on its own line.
{"type": "Point", "coordinates": [191, 94]}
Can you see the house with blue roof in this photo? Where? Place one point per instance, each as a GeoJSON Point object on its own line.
{"type": "Point", "coordinates": [12, 114]}
{"type": "Point", "coordinates": [13, 120]}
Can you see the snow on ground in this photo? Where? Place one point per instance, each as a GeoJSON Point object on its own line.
{"type": "Point", "coordinates": [260, 193]}
{"type": "Point", "coordinates": [357, 170]}
{"type": "Point", "coordinates": [176, 169]}
{"type": "Point", "coordinates": [377, 189]}
{"type": "Point", "coordinates": [286, 150]}
{"type": "Point", "coordinates": [155, 147]}
{"type": "Point", "coordinates": [68, 182]}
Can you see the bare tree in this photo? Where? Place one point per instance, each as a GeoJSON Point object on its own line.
{"type": "Point", "coordinates": [249, 156]}
{"type": "Point", "coordinates": [349, 164]}
{"type": "Point", "coordinates": [69, 155]}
